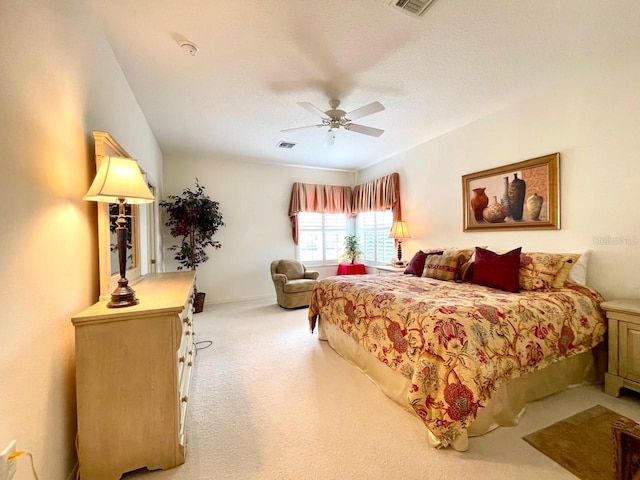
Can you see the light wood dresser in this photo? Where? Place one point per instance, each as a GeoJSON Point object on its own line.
{"type": "Point", "coordinates": [133, 372]}
{"type": "Point", "coordinates": [623, 368]}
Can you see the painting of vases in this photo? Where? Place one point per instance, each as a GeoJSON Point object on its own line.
{"type": "Point", "coordinates": [525, 195]}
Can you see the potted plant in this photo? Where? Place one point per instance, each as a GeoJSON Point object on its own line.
{"type": "Point", "coordinates": [194, 218]}
{"type": "Point", "coordinates": [351, 248]}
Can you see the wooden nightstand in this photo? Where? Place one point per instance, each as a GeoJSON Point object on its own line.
{"type": "Point", "coordinates": [624, 346]}
{"type": "Point", "coordinates": [386, 269]}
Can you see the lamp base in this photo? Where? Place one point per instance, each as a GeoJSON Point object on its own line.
{"type": "Point", "coordinates": [123, 295]}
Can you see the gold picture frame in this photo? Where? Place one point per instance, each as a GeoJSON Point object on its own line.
{"type": "Point", "coordinates": [519, 196]}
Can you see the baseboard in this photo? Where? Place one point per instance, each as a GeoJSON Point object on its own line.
{"type": "Point", "coordinates": [240, 299]}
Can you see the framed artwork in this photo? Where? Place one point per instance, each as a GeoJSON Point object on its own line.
{"type": "Point", "coordinates": [519, 196]}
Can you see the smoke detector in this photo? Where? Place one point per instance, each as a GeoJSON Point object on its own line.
{"type": "Point", "coordinates": [415, 8]}
{"type": "Point", "coordinates": [189, 48]}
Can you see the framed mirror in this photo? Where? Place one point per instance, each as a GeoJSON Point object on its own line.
{"type": "Point", "coordinates": [106, 146]}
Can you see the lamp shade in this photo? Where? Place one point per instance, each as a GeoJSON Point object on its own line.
{"type": "Point", "coordinates": [119, 178]}
{"type": "Point", "coordinates": [399, 230]}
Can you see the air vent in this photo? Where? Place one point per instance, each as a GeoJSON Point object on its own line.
{"type": "Point", "coordinates": [285, 145]}
{"type": "Point", "coordinates": [415, 8]}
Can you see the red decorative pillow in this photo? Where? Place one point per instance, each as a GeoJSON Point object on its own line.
{"type": "Point", "coordinates": [416, 265]}
{"type": "Point", "coordinates": [497, 271]}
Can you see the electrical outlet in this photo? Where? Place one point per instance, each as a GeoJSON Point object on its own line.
{"type": "Point", "coordinates": [8, 467]}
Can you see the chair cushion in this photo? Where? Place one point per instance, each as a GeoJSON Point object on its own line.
{"type": "Point", "coordinates": [292, 269]}
{"type": "Point", "coordinates": [295, 286]}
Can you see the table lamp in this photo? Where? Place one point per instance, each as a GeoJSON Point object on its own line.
{"type": "Point", "coordinates": [399, 231]}
{"type": "Point", "coordinates": [119, 180]}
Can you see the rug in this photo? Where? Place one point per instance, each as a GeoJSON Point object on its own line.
{"type": "Point", "coordinates": [583, 443]}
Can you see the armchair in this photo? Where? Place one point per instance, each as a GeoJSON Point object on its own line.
{"type": "Point", "coordinates": [293, 283]}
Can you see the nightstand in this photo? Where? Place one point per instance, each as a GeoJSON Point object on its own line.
{"type": "Point", "coordinates": [386, 269]}
{"type": "Point", "coordinates": [624, 346]}
{"type": "Point", "coordinates": [351, 269]}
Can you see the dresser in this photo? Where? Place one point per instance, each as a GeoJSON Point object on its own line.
{"type": "Point", "coordinates": [623, 369]}
{"type": "Point", "coordinates": [133, 372]}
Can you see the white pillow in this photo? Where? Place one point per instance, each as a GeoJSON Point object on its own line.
{"type": "Point", "coordinates": [578, 273]}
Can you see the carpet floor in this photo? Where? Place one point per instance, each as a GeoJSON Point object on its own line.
{"type": "Point", "coordinates": [270, 401]}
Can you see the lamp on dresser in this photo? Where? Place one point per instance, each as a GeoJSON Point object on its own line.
{"type": "Point", "coordinates": [119, 180]}
{"type": "Point", "coordinates": [399, 231]}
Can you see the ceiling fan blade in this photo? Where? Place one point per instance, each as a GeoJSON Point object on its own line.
{"type": "Point", "coordinates": [329, 138]}
{"type": "Point", "coordinates": [306, 126]}
{"type": "Point", "coordinates": [312, 108]}
{"type": "Point", "coordinates": [354, 127]}
{"type": "Point", "coordinates": [373, 107]}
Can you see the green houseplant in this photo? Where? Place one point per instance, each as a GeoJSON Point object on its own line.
{"type": "Point", "coordinates": [194, 218]}
{"type": "Point", "coordinates": [351, 248]}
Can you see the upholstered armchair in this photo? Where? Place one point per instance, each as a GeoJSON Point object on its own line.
{"type": "Point", "coordinates": [293, 283]}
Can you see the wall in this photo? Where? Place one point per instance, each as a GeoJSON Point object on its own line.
{"type": "Point", "coordinates": [60, 81]}
{"type": "Point", "coordinates": [254, 201]}
{"type": "Point", "coordinates": [592, 119]}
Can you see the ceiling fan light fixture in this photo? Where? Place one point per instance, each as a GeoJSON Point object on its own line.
{"type": "Point", "coordinates": [336, 119]}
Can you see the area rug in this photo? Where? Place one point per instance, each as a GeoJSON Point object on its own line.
{"type": "Point", "coordinates": [583, 443]}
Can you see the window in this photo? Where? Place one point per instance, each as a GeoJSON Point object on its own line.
{"type": "Point", "coordinates": [373, 232]}
{"type": "Point", "coordinates": [321, 237]}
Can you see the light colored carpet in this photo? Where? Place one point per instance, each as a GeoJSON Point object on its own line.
{"type": "Point", "coordinates": [271, 401]}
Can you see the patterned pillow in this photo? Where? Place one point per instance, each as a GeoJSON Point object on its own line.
{"type": "Point", "coordinates": [416, 265]}
{"type": "Point", "coordinates": [569, 260]}
{"type": "Point", "coordinates": [442, 267]}
{"type": "Point", "coordinates": [465, 272]}
{"type": "Point", "coordinates": [539, 270]}
{"type": "Point", "coordinates": [464, 253]}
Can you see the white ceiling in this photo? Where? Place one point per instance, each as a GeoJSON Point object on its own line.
{"type": "Point", "coordinates": [462, 60]}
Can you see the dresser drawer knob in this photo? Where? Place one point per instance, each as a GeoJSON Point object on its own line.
{"type": "Point", "coordinates": [185, 399]}
{"type": "Point", "coordinates": [190, 364]}
{"type": "Point", "coordinates": [181, 359]}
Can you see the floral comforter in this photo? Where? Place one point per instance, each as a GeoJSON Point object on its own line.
{"type": "Point", "coordinates": [457, 342]}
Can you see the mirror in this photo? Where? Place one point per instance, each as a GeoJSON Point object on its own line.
{"type": "Point", "coordinates": [106, 146]}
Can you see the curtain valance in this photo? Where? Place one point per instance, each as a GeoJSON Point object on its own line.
{"type": "Point", "coordinates": [380, 194]}
{"type": "Point", "coordinates": [310, 197]}
{"type": "Point", "coordinates": [375, 195]}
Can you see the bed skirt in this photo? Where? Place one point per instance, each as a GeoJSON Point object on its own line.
{"type": "Point", "coordinates": [508, 402]}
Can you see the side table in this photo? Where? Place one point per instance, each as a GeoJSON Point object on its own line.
{"type": "Point", "coordinates": [351, 269]}
{"type": "Point", "coordinates": [623, 368]}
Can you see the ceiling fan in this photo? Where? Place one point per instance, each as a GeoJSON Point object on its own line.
{"type": "Point", "coordinates": [336, 118]}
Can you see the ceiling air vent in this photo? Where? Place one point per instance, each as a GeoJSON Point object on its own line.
{"type": "Point", "coordinates": [285, 145]}
{"type": "Point", "coordinates": [414, 8]}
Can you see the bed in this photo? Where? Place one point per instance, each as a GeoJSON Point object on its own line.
{"type": "Point", "coordinates": [464, 358]}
